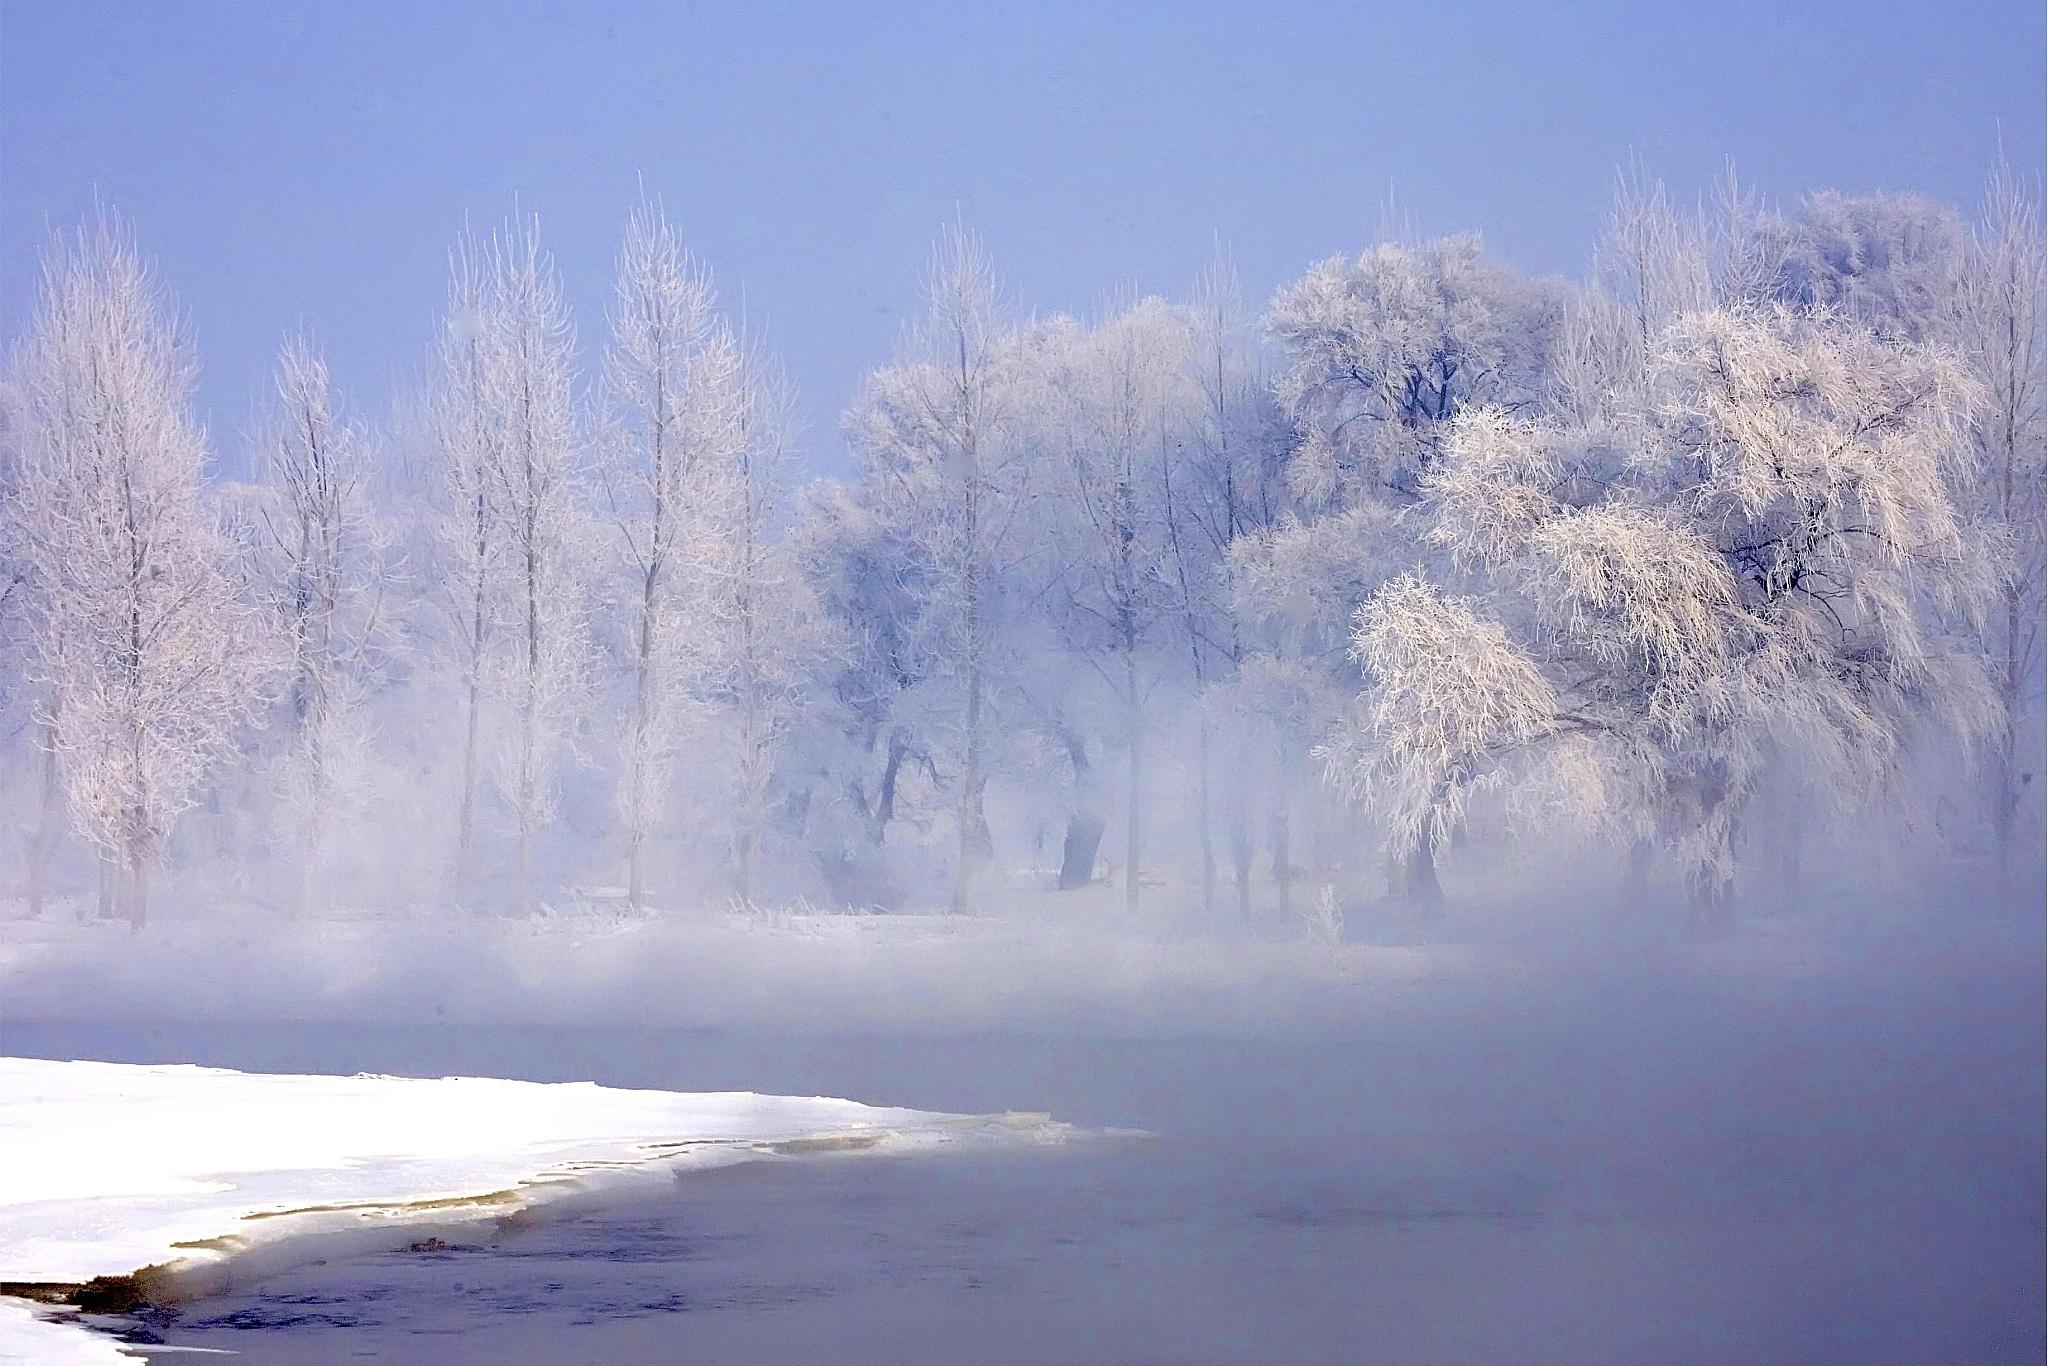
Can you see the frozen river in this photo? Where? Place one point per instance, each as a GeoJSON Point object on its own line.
{"type": "Point", "coordinates": [1585, 1171]}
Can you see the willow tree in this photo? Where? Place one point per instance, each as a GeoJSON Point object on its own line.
{"type": "Point", "coordinates": [1764, 562]}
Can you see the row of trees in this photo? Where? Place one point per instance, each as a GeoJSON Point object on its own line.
{"type": "Point", "coordinates": [1430, 549]}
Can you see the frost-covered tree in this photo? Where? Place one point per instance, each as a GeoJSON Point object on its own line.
{"type": "Point", "coordinates": [513, 532]}
{"type": "Point", "coordinates": [1225, 487]}
{"type": "Point", "coordinates": [143, 643]}
{"type": "Point", "coordinates": [1888, 261]}
{"type": "Point", "coordinates": [1763, 561]}
{"type": "Point", "coordinates": [1380, 352]}
{"type": "Point", "coordinates": [325, 562]}
{"type": "Point", "coordinates": [1122, 400]}
{"type": "Point", "coordinates": [675, 409]}
{"type": "Point", "coordinates": [763, 630]}
{"type": "Point", "coordinates": [1379, 356]}
{"type": "Point", "coordinates": [1652, 264]}
{"type": "Point", "coordinates": [542, 673]}
{"type": "Point", "coordinates": [930, 432]}
{"type": "Point", "coordinates": [864, 571]}
{"type": "Point", "coordinates": [1999, 328]}
{"type": "Point", "coordinates": [469, 539]}
{"type": "Point", "coordinates": [18, 691]}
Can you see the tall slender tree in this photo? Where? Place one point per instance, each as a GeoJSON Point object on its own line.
{"type": "Point", "coordinates": [143, 641]}
{"type": "Point", "coordinates": [675, 408]}
{"type": "Point", "coordinates": [511, 526]}
{"type": "Point", "coordinates": [763, 631]}
{"type": "Point", "coordinates": [470, 538]}
{"type": "Point", "coordinates": [2002, 315]}
{"type": "Point", "coordinates": [544, 669]}
{"type": "Point", "coordinates": [931, 431]}
{"type": "Point", "coordinates": [1126, 403]}
{"type": "Point", "coordinates": [326, 563]}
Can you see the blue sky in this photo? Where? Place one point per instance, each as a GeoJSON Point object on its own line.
{"type": "Point", "coordinates": [294, 164]}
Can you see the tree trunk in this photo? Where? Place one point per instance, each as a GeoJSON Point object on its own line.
{"type": "Point", "coordinates": [465, 846]}
{"type": "Point", "coordinates": [138, 892]}
{"type": "Point", "coordinates": [1084, 820]}
{"type": "Point", "coordinates": [529, 709]}
{"type": "Point", "coordinates": [973, 831]}
{"type": "Point", "coordinates": [465, 837]}
{"type": "Point", "coordinates": [636, 887]}
{"type": "Point", "coordinates": [1202, 822]}
{"type": "Point", "coordinates": [2007, 797]}
{"type": "Point", "coordinates": [745, 878]}
{"type": "Point", "coordinates": [1283, 860]}
{"type": "Point", "coordinates": [525, 859]}
{"type": "Point", "coordinates": [1078, 850]}
{"type": "Point", "coordinates": [1420, 888]}
{"type": "Point", "coordinates": [1134, 773]}
{"type": "Point", "coordinates": [636, 776]}
{"type": "Point", "coordinates": [1640, 855]}
{"type": "Point", "coordinates": [885, 797]}
{"type": "Point", "coordinates": [44, 844]}
{"type": "Point", "coordinates": [755, 736]}
{"type": "Point", "coordinates": [110, 881]}
{"type": "Point", "coordinates": [316, 825]}
{"type": "Point", "coordinates": [753, 798]}
{"type": "Point", "coordinates": [1241, 861]}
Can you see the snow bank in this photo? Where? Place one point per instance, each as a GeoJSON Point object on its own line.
{"type": "Point", "coordinates": [25, 1337]}
{"type": "Point", "coordinates": [193, 1176]}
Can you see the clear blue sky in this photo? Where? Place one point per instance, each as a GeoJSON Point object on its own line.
{"type": "Point", "coordinates": [289, 163]}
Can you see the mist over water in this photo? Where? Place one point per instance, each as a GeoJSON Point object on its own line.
{"type": "Point", "coordinates": [1800, 1153]}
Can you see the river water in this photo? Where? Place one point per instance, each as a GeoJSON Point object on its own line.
{"type": "Point", "coordinates": [1613, 1170]}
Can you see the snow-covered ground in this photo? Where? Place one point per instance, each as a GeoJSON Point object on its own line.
{"type": "Point", "coordinates": [26, 1336]}
{"type": "Point", "coordinates": [201, 1173]}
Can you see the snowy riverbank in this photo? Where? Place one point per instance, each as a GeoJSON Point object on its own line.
{"type": "Point", "coordinates": [193, 1176]}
